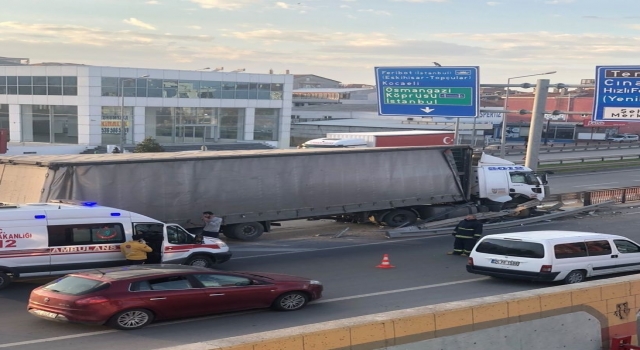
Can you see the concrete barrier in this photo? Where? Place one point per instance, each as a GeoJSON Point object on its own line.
{"type": "Point", "coordinates": [580, 316]}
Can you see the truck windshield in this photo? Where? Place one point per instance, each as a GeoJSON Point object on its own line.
{"type": "Point", "coordinates": [529, 178]}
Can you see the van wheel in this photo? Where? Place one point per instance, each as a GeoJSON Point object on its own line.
{"type": "Point", "coordinates": [575, 276]}
{"type": "Point", "coordinates": [5, 280]}
{"type": "Point", "coordinates": [131, 319]}
{"type": "Point", "coordinates": [200, 261]}
{"type": "Point", "coordinates": [400, 217]}
{"type": "Point", "coordinates": [249, 231]}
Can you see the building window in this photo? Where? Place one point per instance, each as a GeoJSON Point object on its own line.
{"type": "Point", "coordinates": [12, 85]}
{"type": "Point", "coordinates": [276, 91]}
{"type": "Point", "coordinates": [232, 123]}
{"type": "Point", "coordinates": [210, 89]}
{"type": "Point", "coordinates": [3, 85]}
{"type": "Point", "coordinates": [110, 123]}
{"type": "Point", "coordinates": [266, 124]}
{"type": "Point", "coordinates": [188, 89]}
{"type": "Point", "coordinates": [49, 124]}
{"type": "Point", "coordinates": [181, 124]}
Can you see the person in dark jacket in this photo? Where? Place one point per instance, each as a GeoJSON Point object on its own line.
{"type": "Point", "coordinates": [467, 233]}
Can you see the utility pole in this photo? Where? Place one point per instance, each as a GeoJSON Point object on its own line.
{"type": "Point", "coordinates": [537, 124]}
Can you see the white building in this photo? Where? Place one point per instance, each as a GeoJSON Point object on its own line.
{"type": "Point", "coordinates": [77, 107]}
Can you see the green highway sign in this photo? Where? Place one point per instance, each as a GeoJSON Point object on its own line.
{"type": "Point", "coordinates": [429, 96]}
{"type": "Point", "coordinates": [428, 91]}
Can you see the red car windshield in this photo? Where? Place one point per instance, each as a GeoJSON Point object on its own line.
{"type": "Point", "coordinates": [73, 285]}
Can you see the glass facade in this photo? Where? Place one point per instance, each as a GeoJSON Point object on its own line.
{"type": "Point", "coordinates": [110, 123]}
{"type": "Point", "coordinates": [194, 125]}
{"type": "Point", "coordinates": [172, 88]}
{"type": "Point", "coordinates": [49, 124]}
{"type": "Point", "coordinates": [267, 121]}
{"type": "Point", "coordinates": [39, 85]}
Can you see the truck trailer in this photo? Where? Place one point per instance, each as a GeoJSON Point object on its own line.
{"type": "Point", "coordinates": [383, 139]}
{"type": "Point", "coordinates": [251, 190]}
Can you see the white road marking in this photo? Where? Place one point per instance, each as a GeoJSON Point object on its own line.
{"type": "Point", "coordinates": [590, 185]}
{"type": "Point", "coordinates": [399, 290]}
{"type": "Point", "coordinates": [89, 334]}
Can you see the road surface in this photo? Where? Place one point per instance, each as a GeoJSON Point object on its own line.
{"type": "Point", "coordinates": [565, 183]}
{"type": "Point", "coordinates": [423, 275]}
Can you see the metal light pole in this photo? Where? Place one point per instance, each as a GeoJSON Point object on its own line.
{"type": "Point", "coordinates": [122, 121]}
{"type": "Point", "coordinates": [503, 134]}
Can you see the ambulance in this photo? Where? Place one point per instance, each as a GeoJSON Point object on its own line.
{"type": "Point", "coordinates": [60, 237]}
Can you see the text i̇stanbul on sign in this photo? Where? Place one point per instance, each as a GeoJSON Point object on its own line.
{"type": "Point", "coordinates": [617, 95]}
{"type": "Point", "coordinates": [428, 91]}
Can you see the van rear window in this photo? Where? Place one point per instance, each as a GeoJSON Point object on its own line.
{"type": "Point", "coordinates": [511, 248]}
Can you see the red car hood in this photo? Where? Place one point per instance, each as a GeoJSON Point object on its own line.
{"type": "Point", "coordinates": [275, 276]}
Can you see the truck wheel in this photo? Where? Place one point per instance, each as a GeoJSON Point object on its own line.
{"type": "Point", "coordinates": [229, 234]}
{"type": "Point", "coordinates": [249, 231]}
{"type": "Point", "coordinates": [5, 280]}
{"type": "Point", "coordinates": [400, 217]}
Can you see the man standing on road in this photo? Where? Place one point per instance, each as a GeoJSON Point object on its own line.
{"type": "Point", "coordinates": [467, 233]}
{"type": "Point", "coordinates": [211, 225]}
{"type": "Point", "coordinates": [135, 250]}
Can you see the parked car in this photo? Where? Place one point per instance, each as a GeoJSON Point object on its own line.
{"type": "Point", "coordinates": [132, 297]}
{"type": "Point", "coordinates": [623, 138]}
{"type": "Point", "coordinates": [567, 256]}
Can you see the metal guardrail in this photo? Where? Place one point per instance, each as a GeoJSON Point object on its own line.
{"type": "Point", "coordinates": [586, 198]}
{"type": "Point", "coordinates": [581, 162]}
{"type": "Point", "coordinates": [560, 148]}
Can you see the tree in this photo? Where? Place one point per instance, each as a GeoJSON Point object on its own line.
{"type": "Point", "coordinates": [148, 145]}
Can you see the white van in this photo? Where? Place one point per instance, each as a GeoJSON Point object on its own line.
{"type": "Point", "coordinates": [61, 237]}
{"type": "Point", "coordinates": [553, 255]}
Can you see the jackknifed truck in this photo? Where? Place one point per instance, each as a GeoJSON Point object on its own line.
{"type": "Point", "coordinates": [254, 190]}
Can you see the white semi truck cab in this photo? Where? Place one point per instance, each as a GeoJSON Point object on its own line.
{"type": "Point", "coordinates": [503, 181]}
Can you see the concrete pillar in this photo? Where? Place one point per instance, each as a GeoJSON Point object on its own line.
{"type": "Point", "coordinates": [249, 123]}
{"type": "Point", "coordinates": [537, 123]}
{"type": "Point", "coordinates": [139, 121]}
{"type": "Point", "coordinates": [15, 124]}
{"type": "Point", "coordinates": [284, 133]}
{"type": "Point", "coordinates": [89, 125]}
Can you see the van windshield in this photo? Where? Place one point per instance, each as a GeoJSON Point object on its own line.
{"type": "Point", "coordinates": [511, 248]}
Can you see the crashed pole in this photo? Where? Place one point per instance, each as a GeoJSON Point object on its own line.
{"type": "Point", "coordinates": [537, 124]}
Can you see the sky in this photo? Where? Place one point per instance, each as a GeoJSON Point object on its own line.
{"type": "Point", "coordinates": [338, 39]}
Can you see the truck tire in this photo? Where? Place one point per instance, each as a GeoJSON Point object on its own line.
{"type": "Point", "coordinates": [5, 280]}
{"type": "Point", "coordinates": [249, 231]}
{"type": "Point", "coordinates": [400, 217]}
{"type": "Point", "coordinates": [229, 233]}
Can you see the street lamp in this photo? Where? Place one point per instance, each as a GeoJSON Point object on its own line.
{"type": "Point", "coordinates": [122, 122]}
{"type": "Point", "coordinates": [503, 136]}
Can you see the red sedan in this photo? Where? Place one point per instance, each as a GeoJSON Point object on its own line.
{"type": "Point", "coordinates": [134, 296]}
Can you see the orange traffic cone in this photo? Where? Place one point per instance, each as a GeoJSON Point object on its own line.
{"type": "Point", "coordinates": [385, 263]}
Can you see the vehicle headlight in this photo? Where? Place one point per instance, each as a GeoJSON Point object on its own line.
{"type": "Point", "coordinates": [315, 282]}
{"type": "Point", "coordinates": [222, 244]}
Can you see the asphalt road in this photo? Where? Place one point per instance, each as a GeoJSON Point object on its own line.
{"type": "Point", "coordinates": [565, 183]}
{"type": "Point", "coordinates": [423, 275]}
